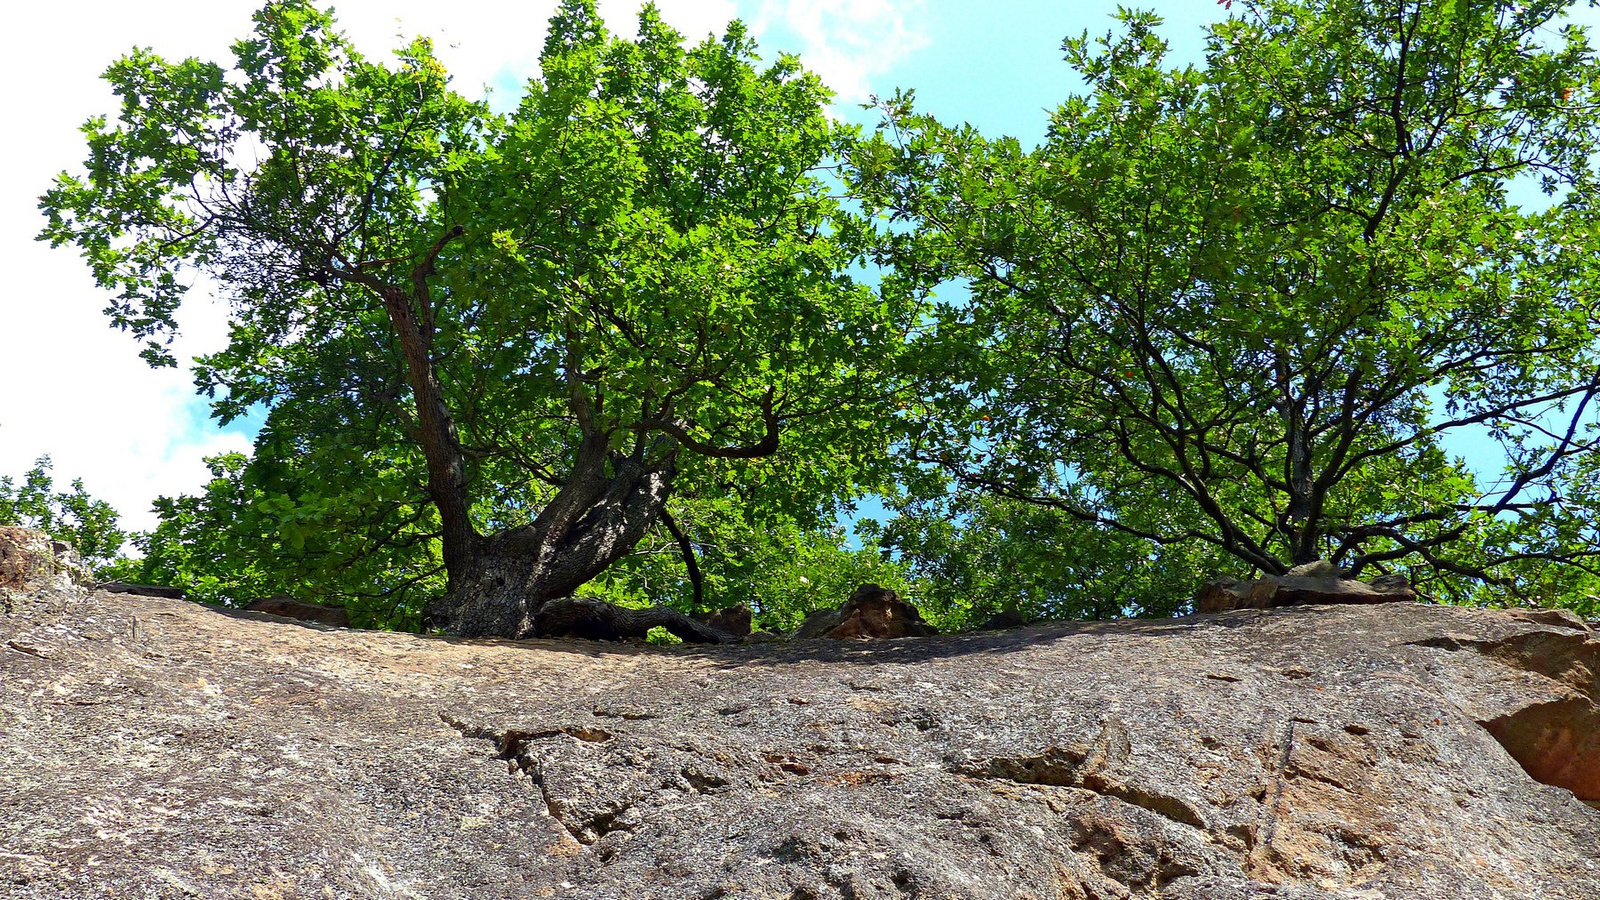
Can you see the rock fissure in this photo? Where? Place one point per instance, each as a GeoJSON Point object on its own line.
{"type": "Point", "coordinates": [1075, 767]}
{"type": "Point", "coordinates": [1272, 793]}
{"type": "Point", "coordinates": [509, 742]}
{"type": "Point", "coordinates": [1170, 808]}
{"type": "Point", "coordinates": [581, 819]}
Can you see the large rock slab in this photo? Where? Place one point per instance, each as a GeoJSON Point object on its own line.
{"type": "Point", "coordinates": [156, 748]}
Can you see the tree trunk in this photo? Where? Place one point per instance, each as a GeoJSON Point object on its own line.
{"type": "Point", "coordinates": [499, 582]}
{"type": "Point", "coordinates": [509, 576]}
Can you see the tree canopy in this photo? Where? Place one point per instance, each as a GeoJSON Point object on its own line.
{"type": "Point", "coordinates": [510, 341]}
{"type": "Point", "coordinates": [1242, 309]}
{"type": "Point", "coordinates": [90, 525]}
{"type": "Point", "coordinates": [1328, 293]}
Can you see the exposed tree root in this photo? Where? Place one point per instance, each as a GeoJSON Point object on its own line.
{"type": "Point", "coordinates": [596, 620]}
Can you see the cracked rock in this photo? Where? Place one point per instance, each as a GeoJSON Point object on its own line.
{"type": "Point", "coordinates": [157, 748]}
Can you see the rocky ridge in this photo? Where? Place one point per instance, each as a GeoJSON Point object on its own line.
{"type": "Point", "coordinates": [156, 748]}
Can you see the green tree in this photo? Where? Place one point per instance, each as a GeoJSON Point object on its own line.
{"type": "Point", "coordinates": [73, 516]}
{"type": "Point", "coordinates": [251, 533]}
{"type": "Point", "coordinates": [973, 555]}
{"type": "Point", "coordinates": [520, 333]}
{"type": "Point", "coordinates": [1243, 307]}
{"type": "Point", "coordinates": [781, 569]}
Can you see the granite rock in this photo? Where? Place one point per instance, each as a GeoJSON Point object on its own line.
{"type": "Point", "coordinates": [157, 748]}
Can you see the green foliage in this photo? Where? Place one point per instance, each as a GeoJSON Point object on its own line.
{"type": "Point", "coordinates": [73, 516]}
{"type": "Point", "coordinates": [1238, 309]}
{"type": "Point", "coordinates": [247, 536]}
{"type": "Point", "coordinates": [974, 555]}
{"type": "Point", "coordinates": [460, 322]}
{"type": "Point", "coordinates": [787, 572]}
{"type": "Point", "coordinates": [778, 567]}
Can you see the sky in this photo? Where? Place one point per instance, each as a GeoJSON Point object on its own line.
{"type": "Point", "coordinates": [74, 389]}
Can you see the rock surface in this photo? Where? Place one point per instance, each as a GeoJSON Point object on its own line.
{"type": "Point", "coordinates": [156, 748]}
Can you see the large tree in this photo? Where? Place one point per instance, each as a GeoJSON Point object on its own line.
{"type": "Point", "coordinates": [516, 333]}
{"type": "Point", "coordinates": [1248, 305]}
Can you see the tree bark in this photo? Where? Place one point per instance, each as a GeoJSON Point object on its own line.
{"type": "Point", "coordinates": [596, 519]}
{"type": "Point", "coordinates": [410, 310]}
{"type": "Point", "coordinates": [697, 580]}
{"type": "Point", "coordinates": [582, 617]}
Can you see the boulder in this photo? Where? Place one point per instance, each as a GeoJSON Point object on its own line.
{"type": "Point", "coordinates": [289, 608]}
{"type": "Point", "coordinates": [736, 620]}
{"type": "Point", "coordinates": [1314, 583]}
{"type": "Point", "coordinates": [871, 613]}
{"type": "Point", "coordinates": [33, 566]}
{"type": "Point", "coordinates": [1006, 618]}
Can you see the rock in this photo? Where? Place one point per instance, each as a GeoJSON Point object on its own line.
{"type": "Point", "coordinates": [736, 620]}
{"type": "Point", "coordinates": [146, 590]}
{"type": "Point", "coordinates": [1008, 618]}
{"type": "Point", "coordinates": [33, 567]}
{"type": "Point", "coordinates": [1314, 583]}
{"type": "Point", "coordinates": [290, 608]}
{"type": "Point", "coordinates": [872, 612]}
{"type": "Point", "coordinates": [158, 748]}
{"type": "Point", "coordinates": [1320, 568]}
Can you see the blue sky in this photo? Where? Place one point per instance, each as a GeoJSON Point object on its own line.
{"type": "Point", "coordinates": [77, 391]}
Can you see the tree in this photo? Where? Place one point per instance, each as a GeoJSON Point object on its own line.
{"type": "Point", "coordinates": [1254, 305]}
{"type": "Point", "coordinates": [256, 531]}
{"type": "Point", "coordinates": [973, 555]}
{"type": "Point", "coordinates": [252, 532]}
{"type": "Point", "coordinates": [779, 568]}
{"type": "Point", "coordinates": [88, 524]}
{"type": "Point", "coordinates": [522, 332]}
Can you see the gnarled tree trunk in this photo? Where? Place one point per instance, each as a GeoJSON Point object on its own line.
{"type": "Point", "coordinates": [595, 520]}
{"type": "Point", "coordinates": [499, 582]}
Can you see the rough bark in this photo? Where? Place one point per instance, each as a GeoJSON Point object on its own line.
{"type": "Point", "coordinates": [410, 313]}
{"type": "Point", "coordinates": [286, 607]}
{"type": "Point", "coordinates": [697, 580]}
{"type": "Point", "coordinates": [582, 617]}
{"type": "Point", "coordinates": [595, 520]}
{"type": "Point", "coordinates": [148, 590]}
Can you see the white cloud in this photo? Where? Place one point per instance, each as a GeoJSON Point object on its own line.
{"type": "Point", "coordinates": [849, 43]}
{"type": "Point", "coordinates": [490, 42]}
{"type": "Point", "coordinates": [71, 387]}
